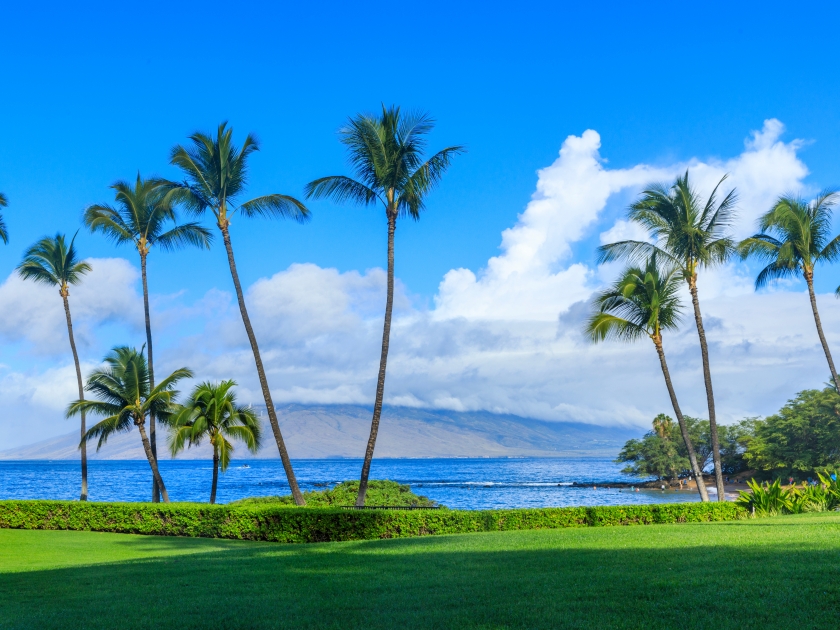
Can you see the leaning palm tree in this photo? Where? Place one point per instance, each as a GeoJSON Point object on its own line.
{"type": "Point", "coordinates": [216, 173]}
{"type": "Point", "coordinates": [688, 234]}
{"type": "Point", "coordinates": [212, 412]}
{"type": "Point", "coordinates": [52, 261]}
{"type": "Point", "coordinates": [144, 218]}
{"type": "Point", "coordinates": [644, 302]}
{"type": "Point", "coordinates": [4, 233]}
{"type": "Point", "coordinates": [386, 151]}
{"type": "Point", "coordinates": [125, 399]}
{"type": "Point", "coordinates": [794, 237]}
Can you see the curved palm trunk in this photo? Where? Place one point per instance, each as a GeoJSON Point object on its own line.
{"type": "Point", "coordinates": [272, 414]}
{"type": "Point", "coordinates": [383, 360]}
{"type": "Point", "coordinates": [83, 444]}
{"type": "Point", "coordinates": [152, 436]}
{"type": "Point", "coordinates": [710, 396]}
{"type": "Point", "coordinates": [215, 475]}
{"type": "Point", "coordinates": [809, 278]}
{"type": "Point", "coordinates": [147, 447]}
{"type": "Point", "coordinates": [692, 456]}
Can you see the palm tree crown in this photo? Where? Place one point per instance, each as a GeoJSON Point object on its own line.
{"type": "Point", "coordinates": [141, 217]}
{"type": "Point", "coordinates": [387, 154]}
{"type": "Point", "coordinates": [52, 261]}
{"type": "Point", "coordinates": [794, 236]}
{"type": "Point", "coordinates": [216, 173]}
{"type": "Point", "coordinates": [4, 234]}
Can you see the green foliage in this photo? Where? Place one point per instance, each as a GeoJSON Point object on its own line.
{"type": "Point", "coordinates": [380, 493]}
{"type": "Point", "coordinates": [4, 233]}
{"type": "Point", "coordinates": [277, 523]}
{"type": "Point", "coordinates": [52, 261]}
{"type": "Point", "coordinates": [770, 499]}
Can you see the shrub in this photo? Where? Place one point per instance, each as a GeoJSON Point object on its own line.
{"type": "Point", "coordinates": [770, 499]}
{"type": "Point", "coordinates": [272, 522]}
{"type": "Point", "coordinates": [380, 493]}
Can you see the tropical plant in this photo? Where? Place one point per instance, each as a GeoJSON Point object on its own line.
{"type": "Point", "coordinates": [688, 234]}
{"type": "Point", "coordinates": [53, 262]}
{"type": "Point", "coordinates": [216, 173]}
{"type": "Point", "coordinates": [4, 233]}
{"type": "Point", "coordinates": [656, 454]}
{"type": "Point", "coordinates": [212, 413]}
{"type": "Point", "coordinates": [145, 218]}
{"type": "Point", "coordinates": [386, 152]}
{"type": "Point", "coordinates": [767, 499]}
{"type": "Point", "coordinates": [125, 399]}
{"type": "Point", "coordinates": [644, 302]}
{"type": "Point", "coordinates": [795, 236]}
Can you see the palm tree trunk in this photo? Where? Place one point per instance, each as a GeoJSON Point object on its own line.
{"type": "Point", "coordinates": [272, 414]}
{"type": "Point", "coordinates": [692, 456]}
{"type": "Point", "coordinates": [215, 475]}
{"type": "Point", "coordinates": [152, 436]}
{"type": "Point", "coordinates": [710, 396]}
{"type": "Point", "coordinates": [383, 360]}
{"type": "Point", "coordinates": [83, 444]}
{"type": "Point", "coordinates": [147, 447]}
{"type": "Point", "coordinates": [809, 278]}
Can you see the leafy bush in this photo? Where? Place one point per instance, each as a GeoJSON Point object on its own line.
{"type": "Point", "coordinates": [380, 493]}
{"type": "Point", "coordinates": [277, 523]}
{"type": "Point", "coordinates": [770, 499]}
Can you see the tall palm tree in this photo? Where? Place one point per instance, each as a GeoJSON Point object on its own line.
{"type": "Point", "coordinates": [52, 261]}
{"type": "Point", "coordinates": [688, 234]}
{"type": "Point", "coordinates": [386, 151]}
{"type": "Point", "coordinates": [125, 399]}
{"type": "Point", "coordinates": [212, 412]}
{"type": "Point", "coordinates": [794, 237]}
{"type": "Point", "coordinates": [4, 233]}
{"type": "Point", "coordinates": [216, 173]}
{"type": "Point", "coordinates": [644, 302]}
{"type": "Point", "coordinates": [144, 218]}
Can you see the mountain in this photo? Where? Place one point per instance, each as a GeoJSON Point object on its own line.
{"type": "Point", "coordinates": [335, 431]}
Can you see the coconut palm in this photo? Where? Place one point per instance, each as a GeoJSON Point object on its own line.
{"type": "Point", "coordinates": [688, 234]}
{"type": "Point", "coordinates": [216, 173]}
{"type": "Point", "coordinates": [4, 234]}
{"type": "Point", "coordinates": [794, 237]}
{"type": "Point", "coordinates": [52, 261]}
{"type": "Point", "coordinates": [144, 218]}
{"type": "Point", "coordinates": [386, 151]}
{"type": "Point", "coordinates": [212, 412]}
{"type": "Point", "coordinates": [125, 399]}
{"type": "Point", "coordinates": [645, 302]}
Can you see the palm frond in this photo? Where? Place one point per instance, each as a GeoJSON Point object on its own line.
{"type": "Point", "coordinates": [341, 189]}
{"type": "Point", "coordinates": [275, 206]}
{"type": "Point", "coordinates": [185, 234]}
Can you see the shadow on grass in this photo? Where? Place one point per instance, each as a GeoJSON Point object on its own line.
{"type": "Point", "coordinates": [461, 582]}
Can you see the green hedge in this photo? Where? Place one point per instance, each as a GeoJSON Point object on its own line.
{"type": "Point", "coordinates": [293, 525]}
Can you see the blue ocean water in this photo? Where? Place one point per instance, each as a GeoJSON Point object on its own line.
{"type": "Point", "coordinates": [457, 483]}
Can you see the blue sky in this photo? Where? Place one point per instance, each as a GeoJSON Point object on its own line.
{"type": "Point", "coordinates": [94, 92]}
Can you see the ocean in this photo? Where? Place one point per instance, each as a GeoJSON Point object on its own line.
{"type": "Point", "coordinates": [469, 484]}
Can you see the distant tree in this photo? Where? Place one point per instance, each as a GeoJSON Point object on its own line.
{"type": "Point", "coordinates": [53, 262]}
{"type": "Point", "coordinates": [125, 399]}
{"type": "Point", "coordinates": [657, 453]}
{"type": "Point", "coordinates": [688, 233]}
{"type": "Point", "coordinates": [386, 151]}
{"type": "Point", "coordinates": [144, 218]}
{"type": "Point", "coordinates": [4, 233]}
{"type": "Point", "coordinates": [644, 302]}
{"type": "Point", "coordinates": [211, 413]}
{"type": "Point", "coordinates": [216, 174]}
{"type": "Point", "coordinates": [795, 237]}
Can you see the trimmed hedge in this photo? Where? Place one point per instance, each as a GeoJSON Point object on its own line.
{"type": "Point", "coordinates": [293, 525]}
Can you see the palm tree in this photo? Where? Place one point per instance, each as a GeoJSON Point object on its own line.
{"type": "Point", "coordinates": [126, 399]}
{"type": "Point", "coordinates": [644, 302]}
{"type": "Point", "coordinates": [141, 218]}
{"type": "Point", "coordinates": [794, 237]}
{"type": "Point", "coordinates": [386, 152]}
{"type": "Point", "coordinates": [211, 412]}
{"type": "Point", "coordinates": [51, 261]}
{"type": "Point", "coordinates": [4, 234]}
{"type": "Point", "coordinates": [688, 234]}
{"type": "Point", "coordinates": [216, 174]}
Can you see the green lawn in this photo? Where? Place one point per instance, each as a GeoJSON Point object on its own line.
{"type": "Point", "coordinates": [765, 573]}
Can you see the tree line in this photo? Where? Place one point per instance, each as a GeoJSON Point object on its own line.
{"type": "Point", "coordinates": [687, 234]}
{"type": "Point", "coordinates": [386, 152]}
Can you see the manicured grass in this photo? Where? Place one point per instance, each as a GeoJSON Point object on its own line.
{"type": "Point", "coordinates": [765, 573]}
